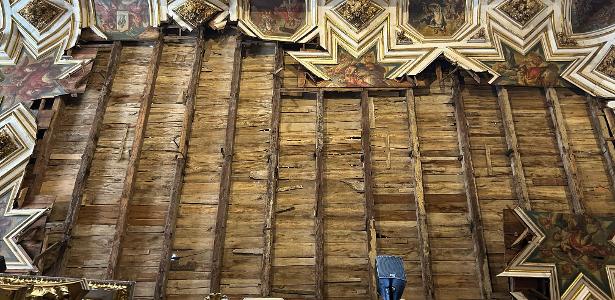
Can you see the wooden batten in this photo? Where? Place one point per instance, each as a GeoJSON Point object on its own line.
{"type": "Point", "coordinates": [419, 198]}
{"type": "Point", "coordinates": [476, 224]}
{"type": "Point", "coordinates": [319, 210]}
{"type": "Point", "coordinates": [225, 178]}
{"type": "Point", "coordinates": [88, 155]}
{"type": "Point", "coordinates": [595, 110]}
{"type": "Point", "coordinates": [133, 163]}
{"type": "Point", "coordinates": [369, 194]}
{"type": "Point", "coordinates": [180, 166]}
{"type": "Point", "coordinates": [272, 177]}
{"type": "Point", "coordinates": [519, 184]}
{"type": "Point", "coordinates": [565, 150]}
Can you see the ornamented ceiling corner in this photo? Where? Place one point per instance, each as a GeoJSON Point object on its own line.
{"type": "Point", "coordinates": [191, 14]}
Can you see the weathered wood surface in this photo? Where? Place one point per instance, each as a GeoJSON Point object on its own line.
{"type": "Point", "coordinates": [544, 174]}
{"type": "Point", "coordinates": [144, 238]}
{"type": "Point", "coordinates": [135, 155]}
{"type": "Point", "coordinates": [474, 213]}
{"type": "Point", "coordinates": [180, 168]}
{"type": "Point", "coordinates": [566, 152]}
{"type": "Point", "coordinates": [445, 198]}
{"type": "Point", "coordinates": [89, 252]}
{"type": "Point", "coordinates": [345, 236]}
{"type": "Point", "coordinates": [601, 131]}
{"type": "Point", "coordinates": [319, 207]}
{"type": "Point", "coordinates": [189, 276]}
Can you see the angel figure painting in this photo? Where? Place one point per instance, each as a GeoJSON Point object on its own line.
{"type": "Point", "coordinates": [435, 19]}
{"type": "Point", "coordinates": [591, 15]}
{"type": "Point", "coordinates": [122, 19]}
{"type": "Point", "coordinates": [531, 69]}
{"type": "Point", "coordinates": [278, 17]}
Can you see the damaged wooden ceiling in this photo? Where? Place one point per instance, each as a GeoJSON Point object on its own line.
{"type": "Point", "coordinates": [507, 38]}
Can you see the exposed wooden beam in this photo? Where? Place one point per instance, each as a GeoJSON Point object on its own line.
{"type": "Point", "coordinates": [272, 177]}
{"type": "Point", "coordinates": [225, 177]}
{"type": "Point", "coordinates": [565, 150]}
{"type": "Point", "coordinates": [519, 184]}
{"type": "Point", "coordinates": [88, 155]}
{"type": "Point", "coordinates": [595, 110]}
{"type": "Point", "coordinates": [133, 162]}
{"type": "Point", "coordinates": [419, 198]}
{"type": "Point", "coordinates": [476, 223]}
{"type": "Point", "coordinates": [370, 226]}
{"type": "Point", "coordinates": [319, 210]}
{"type": "Point", "coordinates": [180, 166]}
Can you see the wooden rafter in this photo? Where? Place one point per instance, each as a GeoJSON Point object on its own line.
{"type": "Point", "coordinates": [595, 110]}
{"type": "Point", "coordinates": [272, 177]}
{"type": "Point", "coordinates": [519, 184]}
{"type": "Point", "coordinates": [476, 223]}
{"type": "Point", "coordinates": [180, 166]}
{"type": "Point", "coordinates": [565, 150]}
{"type": "Point", "coordinates": [419, 198]}
{"type": "Point", "coordinates": [319, 210]}
{"type": "Point", "coordinates": [225, 177]}
{"type": "Point", "coordinates": [88, 155]}
{"type": "Point", "coordinates": [370, 226]}
{"type": "Point", "coordinates": [133, 162]}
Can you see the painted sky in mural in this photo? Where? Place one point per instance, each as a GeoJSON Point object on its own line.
{"type": "Point", "coordinates": [592, 15]}
{"type": "Point", "coordinates": [437, 18]}
{"type": "Point", "coordinates": [575, 244]}
{"type": "Point", "coordinates": [122, 19]}
{"type": "Point", "coordinates": [278, 17]}
{"type": "Point", "coordinates": [531, 69]}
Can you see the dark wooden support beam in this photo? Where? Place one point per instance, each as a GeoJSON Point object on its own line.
{"type": "Point", "coordinates": [319, 210]}
{"type": "Point", "coordinates": [88, 155]}
{"type": "Point", "coordinates": [565, 150]}
{"type": "Point", "coordinates": [370, 226]}
{"type": "Point", "coordinates": [476, 223]}
{"type": "Point", "coordinates": [272, 177]}
{"type": "Point", "coordinates": [225, 178]}
{"type": "Point", "coordinates": [519, 184]}
{"type": "Point", "coordinates": [419, 198]}
{"type": "Point", "coordinates": [595, 110]}
{"type": "Point", "coordinates": [180, 166]}
{"type": "Point", "coordinates": [133, 162]}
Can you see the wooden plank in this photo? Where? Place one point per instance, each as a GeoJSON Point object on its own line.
{"type": "Point", "coordinates": [595, 108]}
{"type": "Point", "coordinates": [319, 210]}
{"type": "Point", "coordinates": [133, 163]}
{"type": "Point", "coordinates": [519, 184]}
{"type": "Point", "coordinates": [272, 177]}
{"type": "Point", "coordinates": [225, 180]}
{"type": "Point", "coordinates": [180, 166]}
{"type": "Point", "coordinates": [88, 155]}
{"type": "Point", "coordinates": [419, 198]}
{"type": "Point", "coordinates": [565, 150]}
{"type": "Point", "coordinates": [476, 224]}
{"type": "Point", "coordinates": [369, 194]}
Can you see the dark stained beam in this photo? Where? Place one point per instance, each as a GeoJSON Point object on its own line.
{"type": "Point", "coordinates": [180, 166]}
{"type": "Point", "coordinates": [272, 177]}
{"type": "Point", "coordinates": [133, 162]}
{"type": "Point", "coordinates": [595, 110]}
{"type": "Point", "coordinates": [419, 198]}
{"type": "Point", "coordinates": [519, 184]}
{"type": "Point", "coordinates": [476, 223]}
{"type": "Point", "coordinates": [319, 215]}
{"type": "Point", "coordinates": [88, 155]}
{"type": "Point", "coordinates": [565, 150]}
{"type": "Point", "coordinates": [225, 177]}
{"type": "Point", "coordinates": [370, 226]}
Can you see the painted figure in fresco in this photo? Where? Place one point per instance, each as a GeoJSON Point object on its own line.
{"type": "Point", "coordinates": [362, 72]}
{"type": "Point", "coordinates": [29, 80]}
{"type": "Point", "coordinates": [126, 17]}
{"type": "Point", "coordinates": [592, 15]}
{"type": "Point", "coordinates": [278, 17]}
{"type": "Point", "coordinates": [437, 18]}
{"type": "Point", "coordinates": [531, 69]}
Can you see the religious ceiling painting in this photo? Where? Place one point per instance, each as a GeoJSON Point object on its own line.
{"type": "Point", "coordinates": [591, 15]}
{"type": "Point", "coordinates": [284, 20]}
{"type": "Point", "coordinates": [32, 79]}
{"type": "Point", "coordinates": [18, 131]}
{"type": "Point", "coordinates": [576, 252]}
{"type": "Point", "coordinates": [529, 69]}
{"type": "Point", "coordinates": [121, 19]}
{"type": "Point", "coordinates": [440, 18]}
